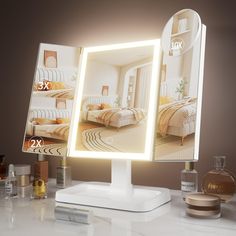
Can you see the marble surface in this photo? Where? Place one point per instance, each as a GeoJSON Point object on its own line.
{"type": "Point", "coordinates": [36, 217]}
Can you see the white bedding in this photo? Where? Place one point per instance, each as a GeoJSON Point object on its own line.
{"type": "Point", "coordinates": [123, 117]}
{"type": "Point", "coordinates": [184, 115]}
{"type": "Point", "coordinates": [47, 131]}
{"type": "Point", "coordinates": [93, 115]}
{"type": "Point", "coordinates": [179, 122]}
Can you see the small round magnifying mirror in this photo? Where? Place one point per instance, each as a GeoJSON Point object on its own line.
{"type": "Point", "coordinates": [181, 32]}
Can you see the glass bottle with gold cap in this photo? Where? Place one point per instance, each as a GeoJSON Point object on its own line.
{"type": "Point", "coordinates": [189, 179]}
{"type": "Point", "coordinates": [39, 189]}
{"type": "Point", "coordinates": [63, 174]}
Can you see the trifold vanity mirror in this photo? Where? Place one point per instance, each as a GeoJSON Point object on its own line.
{"type": "Point", "coordinates": [131, 101]}
{"type": "Point", "coordinates": [120, 90]}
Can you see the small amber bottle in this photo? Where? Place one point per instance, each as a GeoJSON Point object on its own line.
{"type": "Point", "coordinates": [41, 168]}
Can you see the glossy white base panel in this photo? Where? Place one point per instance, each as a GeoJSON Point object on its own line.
{"type": "Point", "coordinates": [138, 199]}
{"type": "Point", "coordinates": [36, 217]}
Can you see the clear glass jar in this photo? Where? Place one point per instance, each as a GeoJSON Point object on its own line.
{"type": "Point", "coordinates": [219, 181]}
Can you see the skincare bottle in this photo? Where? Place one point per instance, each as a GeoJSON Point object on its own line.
{"type": "Point", "coordinates": [3, 175]}
{"type": "Point", "coordinates": [11, 183]}
{"type": "Point", "coordinates": [41, 168]}
{"type": "Point", "coordinates": [189, 179]}
{"type": "Point", "coordinates": [23, 180]}
{"type": "Point", "coordinates": [39, 189]}
{"type": "Point", "coordinates": [63, 174]}
{"type": "Point", "coordinates": [3, 168]}
{"type": "Point", "coordinates": [219, 181]}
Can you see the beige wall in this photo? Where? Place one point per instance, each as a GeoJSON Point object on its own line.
{"type": "Point", "coordinates": [83, 23]}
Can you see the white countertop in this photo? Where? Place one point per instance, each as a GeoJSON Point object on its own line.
{"type": "Point", "coordinates": [36, 217]}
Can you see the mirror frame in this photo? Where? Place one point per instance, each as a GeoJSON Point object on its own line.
{"type": "Point", "coordinates": [149, 142]}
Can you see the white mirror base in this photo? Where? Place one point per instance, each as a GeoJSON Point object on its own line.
{"type": "Point", "coordinates": [94, 194]}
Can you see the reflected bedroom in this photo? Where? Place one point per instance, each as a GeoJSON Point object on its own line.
{"type": "Point", "coordinates": [114, 104]}
{"type": "Point", "coordinates": [48, 122]}
{"type": "Point", "coordinates": [179, 91]}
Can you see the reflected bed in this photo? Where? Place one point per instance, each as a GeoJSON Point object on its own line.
{"type": "Point", "coordinates": [93, 110]}
{"type": "Point", "coordinates": [177, 118]}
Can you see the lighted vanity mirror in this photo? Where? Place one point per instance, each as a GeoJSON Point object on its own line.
{"type": "Point", "coordinates": [114, 109]}
{"type": "Point", "coordinates": [50, 109]}
{"type": "Point", "coordinates": [180, 88]}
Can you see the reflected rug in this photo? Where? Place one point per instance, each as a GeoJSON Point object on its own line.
{"type": "Point", "coordinates": [50, 149]}
{"type": "Point", "coordinates": [125, 139]}
{"type": "Point", "coordinates": [167, 139]}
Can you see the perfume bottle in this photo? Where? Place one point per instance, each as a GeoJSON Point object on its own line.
{"type": "Point", "coordinates": [63, 174]}
{"type": "Point", "coordinates": [39, 189]}
{"type": "Point", "coordinates": [11, 183]}
{"type": "Point", "coordinates": [41, 168]}
{"type": "Point", "coordinates": [219, 181]}
{"type": "Point", "coordinates": [189, 179]}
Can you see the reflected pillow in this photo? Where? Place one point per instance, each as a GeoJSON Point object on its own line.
{"type": "Point", "coordinates": [164, 100]}
{"type": "Point", "coordinates": [105, 106]}
{"type": "Point", "coordinates": [57, 85]}
{"type": "Point", "coordinates": [92, 107]}
{"type": "Point", "coordinates": [48, 85]}
{"type": "Point", "coordinates": [43, 121]}
{"type": "Point", "coordinates": [62, 120]}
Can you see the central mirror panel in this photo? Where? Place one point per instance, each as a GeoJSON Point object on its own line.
{"type": "Point", "coordinates": [114, 115]}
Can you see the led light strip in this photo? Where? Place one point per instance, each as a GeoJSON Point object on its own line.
{"type": "Point", "coordinates": [147, 155]}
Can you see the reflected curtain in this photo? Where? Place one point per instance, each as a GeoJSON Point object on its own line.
{"type": "Point", "coordinates": [143, 87]}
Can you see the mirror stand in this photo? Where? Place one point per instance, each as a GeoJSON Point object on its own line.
{"type": "Point", "coordinates": [120, 194]}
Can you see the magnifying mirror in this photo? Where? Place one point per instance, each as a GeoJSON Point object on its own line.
{"type": "Point", "coordinates": [180, 88]}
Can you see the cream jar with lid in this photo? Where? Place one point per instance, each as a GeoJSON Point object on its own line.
{"type": "Point", "coordinates": [22, 172]}
{"type": "Point", "coordinates": [202, 205]}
